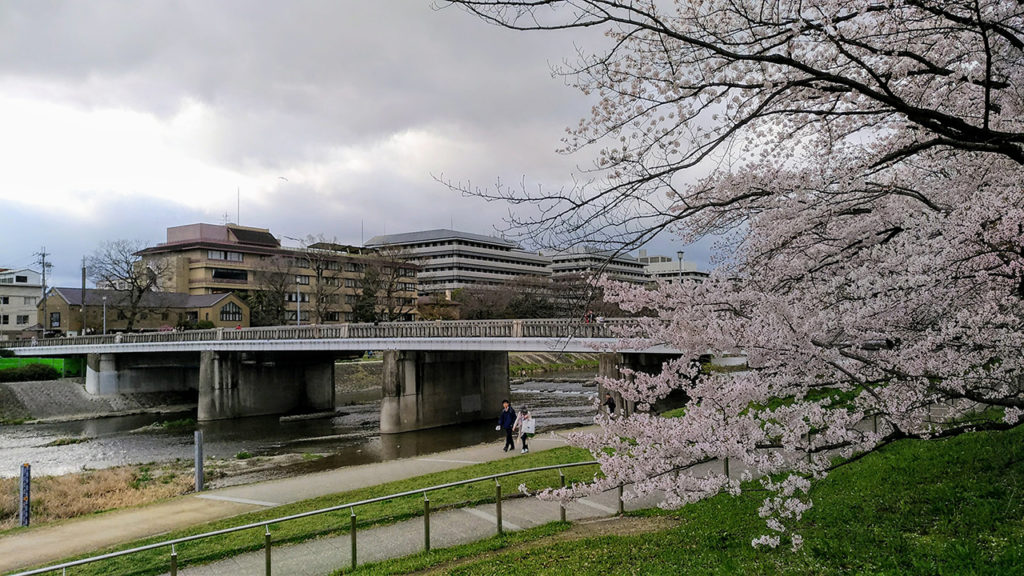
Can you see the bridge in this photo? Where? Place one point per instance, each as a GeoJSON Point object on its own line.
{"type": "Point", "coordinates": [435, 373]}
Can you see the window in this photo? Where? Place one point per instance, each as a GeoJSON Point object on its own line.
{"type": "Point", "coordinates": [231, 275]}
{"type": "Point", "coordinates": [224, 255]}
{"type": "Point", "coordinates": [5, 300]}
{"type": "Point", "coordinates": [352, 267]}
{"type": "Point", "coordinates": [5, 319]}
{"type": "Point", "coordinates": [304, 280]}
{"type": "Point", "coordinates": [22, 318]}
{"type": "Point", "coordinates": [351, 283]}
{"type": "Point", "coordinates": [29, 300]}
{"type": "Point", "coordinates": [231, 312]}
{"type": "Point", "coordinates": [332, 265]}
{"type": "Point", "coordinates": [350, 299]}
{"type": "Point", "coordinates": [54, 319]}
{"type": "Point", "coordinates": [332, 281]}
{"type": "Point", "coordinates": [290, 315]}
{"type": "Point", "coordinates": [290, 297]}
{"type": "Point", "coordinates": [332, 317]}
{"type": "Point", "coordinates": [21, 279]}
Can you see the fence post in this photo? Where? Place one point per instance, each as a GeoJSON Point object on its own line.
{"type": "Point", "coordinates": [561, 504]}
{"type": "Point", "coordinates": [174, 561]}
{"type": "Point", "coordinates": [497, 502]}
{"type": "Point", "coordinates": [426, 522]}
{"type": "Point", "coordinates": [622, 506]}
{"type": "Point", "coordinates": [352, 534]}
{"type": "Point", "coordinates": [26, 493]}
{"type": "Point", "coordinates": [266, 540]}
{"type": "Point", "coordinates": [199, 460]}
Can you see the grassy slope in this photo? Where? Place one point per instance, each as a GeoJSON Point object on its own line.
{"type": "Point", "coordinates": [951, 507]}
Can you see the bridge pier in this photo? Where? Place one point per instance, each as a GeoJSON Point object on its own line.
{"type": "Point", "coordinates": [107, 374]}
{"type": "Point", "coordinates": [237, 384]}
{"type": "Point", "coordinates": [430, 389]}
{"type": "Point", "coordinates": [610, 365]}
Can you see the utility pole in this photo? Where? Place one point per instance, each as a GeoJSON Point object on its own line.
{"type": "Point", "coordinates": [44, 265]}
{"type": "Point", "coordinates": [82, 307]}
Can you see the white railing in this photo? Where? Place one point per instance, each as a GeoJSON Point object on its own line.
{"type": "Point", "coordinates": [532, 328]}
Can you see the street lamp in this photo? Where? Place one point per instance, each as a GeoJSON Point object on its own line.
{"type": "Point", "coordinates": [679, 255]}
{"type": "Point", "coordinates": [104, 315]}
{"type": "Point", "coordinates": [298, 304]}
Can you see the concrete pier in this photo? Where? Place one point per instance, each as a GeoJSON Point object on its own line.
{"type": "Point", "coordinates": [430, 389]}
{"type": "Point", "coordinates": [236, 384]}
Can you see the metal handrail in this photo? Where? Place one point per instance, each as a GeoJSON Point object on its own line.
{"type": "Point", "coordinates": [266, 523]}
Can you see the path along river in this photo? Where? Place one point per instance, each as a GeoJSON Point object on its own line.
{"type": "Point", "coordinates": [351, 437]}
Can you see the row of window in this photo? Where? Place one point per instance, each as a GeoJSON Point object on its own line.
{"type": "Point", "coordinates": [20, 319]}
{"type": "Point", "coordinates": [26, 300]}
{"type": "Point", "coordinates": [224, 255]}
{"type": "Point", "coordinates": [16, 279]}
{"type": "Point", "coordinates": [465, 256]}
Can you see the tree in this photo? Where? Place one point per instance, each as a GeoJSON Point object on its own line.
{"type": "Point", "coordinates": [274, 281]}
{"type": "Point", "coordinates": [863, 160]}
{"type": "Point", "coordinates": [388, 279]}
{"type": "Point", "coordinates": [321, 257]}
{"type": "Point", "coordinates": [116, 266]}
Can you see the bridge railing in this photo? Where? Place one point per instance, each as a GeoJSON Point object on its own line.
{"type": "Point", "coordinates": [532, 328]}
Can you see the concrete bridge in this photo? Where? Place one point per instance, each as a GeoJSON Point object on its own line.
{"type": "Point", "coordinates": [435, 373]}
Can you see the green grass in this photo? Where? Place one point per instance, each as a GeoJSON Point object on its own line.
{"type": "Point", "coordinates": [389, 511]}
{"type": "Point", "coordinates": [576, 365]}
{"type": "Point", "coordinates": [952, 507]}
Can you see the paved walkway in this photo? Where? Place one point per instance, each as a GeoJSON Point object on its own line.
{"type": "Point", "coordinates": [54, 542]}
{"type": "Point", "coordinates": [325, 556]}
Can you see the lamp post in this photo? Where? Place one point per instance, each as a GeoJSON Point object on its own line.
{"type": "Point", "coordinates": [298, 304]}
{"type": "Point", "coordinates": [104, 315]}
{"type": "Point", "coordinates": [679, 255]}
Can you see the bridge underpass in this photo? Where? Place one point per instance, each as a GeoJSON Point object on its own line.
{"type": "Point", "coordinates": [435, 373]}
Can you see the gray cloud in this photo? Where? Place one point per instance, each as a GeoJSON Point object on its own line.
{"type": "Point", "coordinates": [360, 103]}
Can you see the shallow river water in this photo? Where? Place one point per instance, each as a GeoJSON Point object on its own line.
{"type": "Point", "coordinates": [349, 438]}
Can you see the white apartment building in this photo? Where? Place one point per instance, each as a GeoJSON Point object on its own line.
{"type": "Point", "coordinates": [668, 270]}
{"type": "Point", "coordinates": [582, 262]}
{"type": "Point", "coordinates": [20, 291]}
{"type": "Point", "coordinates": [449, 259]}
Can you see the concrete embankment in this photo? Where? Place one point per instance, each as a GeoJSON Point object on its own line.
{"type": "Point", "coordinates": [67, 400]}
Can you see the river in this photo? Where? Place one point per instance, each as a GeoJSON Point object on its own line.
{"type": "Point", "coordinates": [349, 438]}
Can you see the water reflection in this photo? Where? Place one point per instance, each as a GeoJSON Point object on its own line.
{"type": "Point", "coordinates": [350, 438]}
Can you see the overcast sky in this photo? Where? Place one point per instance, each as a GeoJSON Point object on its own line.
{"type": "Point", "coordinates": [120, 119]}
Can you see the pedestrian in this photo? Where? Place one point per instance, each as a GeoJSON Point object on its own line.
{"type": "Point", "coordinates": [507, 421]}
{"type": "Point", "coordinates": [609, 402]}
{"type": "Point", "coordinates": [526, 426]}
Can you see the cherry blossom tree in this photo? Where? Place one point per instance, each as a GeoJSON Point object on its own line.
{"type": "Point", "coordinates": [863, 160]}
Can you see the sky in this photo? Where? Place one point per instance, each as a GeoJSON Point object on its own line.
{"type": "Point", "coordinates": [327, 118]}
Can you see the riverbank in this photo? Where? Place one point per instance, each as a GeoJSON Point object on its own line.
{"type": "Point", "coordinates": [38, 544]}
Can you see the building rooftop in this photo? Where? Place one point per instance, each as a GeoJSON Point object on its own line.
{"type": "Point", "coordinates": [94, 297]}
{"type": "Point", "coordinates": [438, 235]}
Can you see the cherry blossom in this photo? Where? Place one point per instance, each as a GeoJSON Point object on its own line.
{"type": "Point", "coordinates": [862, 162]}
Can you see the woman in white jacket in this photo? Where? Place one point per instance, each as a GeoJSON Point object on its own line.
{"type": "Point", "coordinates": [525, 426]}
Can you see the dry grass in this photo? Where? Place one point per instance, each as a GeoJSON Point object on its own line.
{"type": "Point", "coordinates": [71, 495]}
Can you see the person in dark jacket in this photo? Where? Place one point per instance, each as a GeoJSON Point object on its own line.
{"type": "Point", "coordinates": [609, 403]}
{"type": "Point", "coordinates": [506, 421]}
